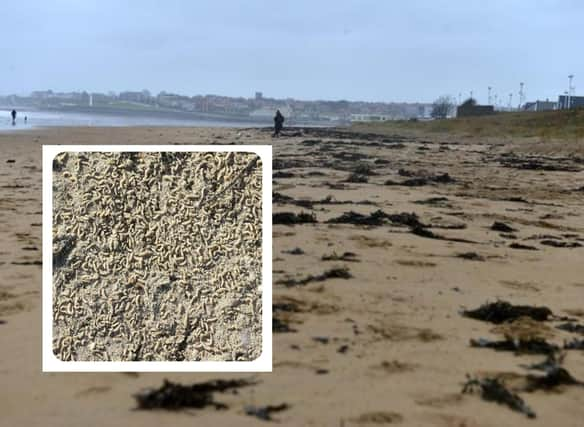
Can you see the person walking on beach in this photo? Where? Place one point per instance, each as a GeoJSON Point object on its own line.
{"type": "Point", "coordinates": [13, 114]}
{"type": "Point", "coordinates": [278, 123]}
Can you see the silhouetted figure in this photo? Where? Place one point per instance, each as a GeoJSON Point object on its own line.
{"type": "Point", "coordinates": [278, 123]}
{"type": "Point", "coordinates": [13, 114]}
{"type": "Point", "coordinates": [25, 119]}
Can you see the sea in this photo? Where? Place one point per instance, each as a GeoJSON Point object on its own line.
{"type": "Point", "coordinates": [37, 119]}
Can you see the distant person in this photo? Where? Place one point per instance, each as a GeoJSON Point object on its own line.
{"type": "Point", "coordinates": [25, 119]}
{"type": "Point", "coordinates": [13, 114]}
{"type": "Point", "coordinates": [278, 123]}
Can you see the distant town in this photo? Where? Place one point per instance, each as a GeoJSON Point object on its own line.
{"type": "Point", "coordinates": [258, 108]}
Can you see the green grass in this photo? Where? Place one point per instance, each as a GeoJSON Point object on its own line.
{"type": "Point", "coordinates": [545, 125]}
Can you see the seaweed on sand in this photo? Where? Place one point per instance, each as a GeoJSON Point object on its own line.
{"type": "Point", "coordinates": [346, 256]}
{"type": "Point", "coordinates": [572, 327]}
{"type": "Point", "coordinates": [471, 256]}
{"type": "Point", "coordinates": [280, 326]}
{"type": "Point", "coordinates": [493, 390]}
{"type": "Point", "coordinates": [423, 232]}
{"type": "Point", "coordinates": [376, 218]}
{"type": "Point", "coordinates": [335, 273]}
{"type": "Point", "coordinates": [265, 412]}
{"type": "Point", "coordinates": [530, 346]}
{"type": "Point", "coordinates": [574, 345]}
{"type": "Point", "coordinates": [174, 396]}
{"type": "Point", "coordinates": [290, 218]}
{"type": "Point", "coordinates": [502, 227]}
{"type": "Point", "coordinates": [357, 178]}
{"type": "Point", "coordinates": [554, 377]}
{"type": "Point", "coordinates": [502, 311]}
{"type": "Point", "coordinates": [524, 247]}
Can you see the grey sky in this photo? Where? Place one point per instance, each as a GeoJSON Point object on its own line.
{"type": "Point", "coordinates": [358, 50]}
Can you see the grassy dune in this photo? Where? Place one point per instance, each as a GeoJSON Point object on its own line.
{"type": "Point", "coordinates": [546, 125]}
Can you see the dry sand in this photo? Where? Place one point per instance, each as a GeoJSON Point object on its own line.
{"type": "Point", "coordinates": [391, 347]}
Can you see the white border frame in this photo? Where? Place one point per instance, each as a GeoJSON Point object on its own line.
{"type": "Point", "coordinates": [52, 364]}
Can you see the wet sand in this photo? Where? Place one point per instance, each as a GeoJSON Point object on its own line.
{"type": "Point", "coordinates": [386, 345]}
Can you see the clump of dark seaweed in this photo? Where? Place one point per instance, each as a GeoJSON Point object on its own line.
{"type": "Point", "coordinates": [524, 247]}
{"type": "Point", "coordinates": [493, 390]}
{"type": "Point", "coordinates": [376, 218]}
{"type": "Point", "coordinates": [560, 244]}
{"type": "Point", "coordinates": [295, 251]}
{"type": "Point", "coordinates": [335, 273]}
{"type": "Point", "coordinates": [346, 256]}
{"type": "Point", "coordinates": [265, 412]}
{"type": "Point", "coordinates": [174, 396]}
{"type": "Point", "coordinates": [357, 178]}
{"type": "Point", "coordinates": [502, 227]}
{"type": "Point", "coordinates": [291, 218]}
{"type": "Point", "coordinates": [471, 256]}
{"type": "Point", "coordinates": [530, 346]}
{"type": "Point", "coordinates": [554, 377]}
{"type": "Point", "coordinates": [572, 327]}
{"type": "Point", "coordinates": [575, 344]}
{"type": "Point", "coordinates": [280, 326]}
{"type": "Point", "coordinates": [502, 311]}
{"type": "Point", "coordinates": [423, 232]}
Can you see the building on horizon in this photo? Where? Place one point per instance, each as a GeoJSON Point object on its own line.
{"type": "Point", "coordinates": [538, 105]}
{"type": "Point", "coordinates": [370, 118]}
{"type": "Point", "coordinates": [565, 102]}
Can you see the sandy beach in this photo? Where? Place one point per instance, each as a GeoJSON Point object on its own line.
{"type": "Point", "coordinates": [368, 329]}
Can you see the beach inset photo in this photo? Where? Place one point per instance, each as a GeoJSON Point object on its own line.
{"type": "Point", "coordinates": [157, 256]}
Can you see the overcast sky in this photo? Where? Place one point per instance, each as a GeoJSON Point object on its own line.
{"type": "Point", "coordinates": [372, 50]}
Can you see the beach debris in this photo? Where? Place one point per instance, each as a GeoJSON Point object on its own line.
{"type": "Point", "coordinates": [265, 412]}
{"type": "Point", "coordinates": [376, 218]}
{"type": "Point", "coordinates": [423, 232]}
{"type": "Point", "coordinates": [10, 161]}
{"type": "Point", "coordinates": [364, 169]}
{"type": "Point", "coordinates": [322, 340]}
{"type": "Point", "coordinates": [335, 273]}
{"type": "Point", "coordinates": [560, 244]}
{"type": "Point", "coordinates": [343, 349]}
{"type": "Point", "coordinates": [290, 218]}
{"type": "Point", "coordinates": [554, 377]}
{"type": "Point", "coordinates": [287, 164]}
{"type": "Point", "coordinates": [551, 362]}
{"type": "Point", "coordinates": [346, 256]}
{"type": "Point", "coordinates": [173, 396]}
{"type": "Point", "coordinates": [280, 326]}
{"type": "Point", "coordinates": [295, 251]}
{"type": "Point", "coordinates": [2, 322]}
{"type": "Point", "coordinates": [524, 247]}
{"type": "Point", "coordinates": [441, 202]}
{"type": "Point", "coordinates": [62, 247]}
{"type": "Point", "coordinates": [418, 181]}
{"type": "Point", "coordinates": [493, 390]}
{"type": "Point", "coordinates": [575, 344]}
{"type": "Point", "coordinates": [357, 178]}
{"type": "Point", "coordinates": [471, 256]}
{"type": "Point", "coordinates": [281, 174]}
{"type": "Point", "coordinates": [553, 165]}
{"type": "Point", "coordinates": [502, 311]}
{"type": "Point", "coordinates": [530, 346]}
{"type": "Point", "coordinates": [571, 327]}
{"type": "Point", "coordinates": [321, 371]}
{"type": "Point", "coordinates": [502, 227]}
{"type": "Point", "coordinates": [311, 142]}
{"type": "Point", "coordinates": [289, 307]}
